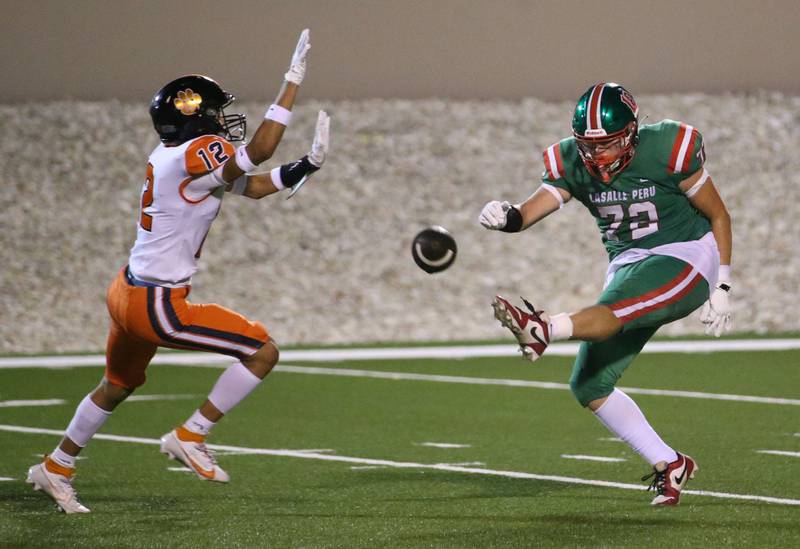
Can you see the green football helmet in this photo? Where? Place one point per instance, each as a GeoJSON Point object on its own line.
{"type": "Point", "coordinates": [605, 126]}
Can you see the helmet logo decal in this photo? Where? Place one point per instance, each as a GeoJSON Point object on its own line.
{"type": "Point", "coordinates": [627, 98]}
{"type": "Point", "coordinates": [596, 133]}
{"type": "Point", "coordinates": [594, 118]}
{"type": "Point", "coordinates": [187, 101]}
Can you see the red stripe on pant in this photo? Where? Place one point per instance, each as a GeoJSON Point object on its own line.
{"type": "Point", "coordinates": [650, 295]}
{"type": "Point", "coordinates": [677, 297]}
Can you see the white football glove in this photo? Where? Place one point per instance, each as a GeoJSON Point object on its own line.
{"type": "Point", "coordinates": [494, 215]}
{"type": "Point", "coordinates": [297, 68]}
{"type": "Point", "coordinates": [716, 313]}
{"type": "Point", "coordinates": [319, 148]}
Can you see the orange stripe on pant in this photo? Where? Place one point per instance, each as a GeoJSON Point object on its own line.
{"type": "Point", "coordinates": [145, 318]}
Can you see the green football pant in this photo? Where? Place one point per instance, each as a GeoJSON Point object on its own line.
{"type": "Point", "coordinates": [644, 296]}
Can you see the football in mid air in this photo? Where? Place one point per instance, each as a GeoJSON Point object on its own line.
{"type": "Point", "coordinates": [434, 249]}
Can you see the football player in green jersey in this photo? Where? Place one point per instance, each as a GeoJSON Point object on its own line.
{"type": "Point", "coordinates": [668, 238]}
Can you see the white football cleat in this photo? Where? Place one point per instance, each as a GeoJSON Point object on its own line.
{"type": "Point", "coordinates": [56, 481]}
{"type": "Point", "coordinates": [670, 478]}
{"type": "Point", "coordinates": [190, 449]}
{"type": "Point", "coordinates": [531, 328]}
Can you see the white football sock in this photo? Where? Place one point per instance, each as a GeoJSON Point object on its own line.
{"type": "Point", "coordinates": [63, 458]}
{"type": "Point", "coordinates": [233, 385]}
{"type": "Point", "coordinates": [624, 418]}
{"type": "Point", "coordinates": [199, 423]}
{"type": "Point", "coordinates": [560, 327]}
{"type": "Point", "coordinates": [88, 419]}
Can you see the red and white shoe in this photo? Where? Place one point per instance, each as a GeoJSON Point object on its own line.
{"type": "Point", "coordinates": [670, 478]}
{"type": "Point", "coordinates": [190, 449]}
{"type": "Point", "coordinates": [531, 328]}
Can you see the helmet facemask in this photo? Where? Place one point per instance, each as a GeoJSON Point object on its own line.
{"type": "Point", "coordinates": [607, 155]}
{"type": "Point", "coordinates": [234, 126]}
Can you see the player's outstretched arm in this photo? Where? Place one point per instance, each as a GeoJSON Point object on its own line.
{"type": "Point", "coordinates": [502, 216]}
{"type": "Point", "coordinates": [278, 115]}
{"type": "Point", "coordinates": [289, 175]}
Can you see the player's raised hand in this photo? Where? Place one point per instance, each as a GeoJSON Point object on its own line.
{"type": "Point", "coordinates": [716, 313]}
{"type": "Point", "coordinates": [297, 67]}
{"type": "Point", "coordinates": [319, 148]}
{"type": "Point", "coordinates": [494, 215]}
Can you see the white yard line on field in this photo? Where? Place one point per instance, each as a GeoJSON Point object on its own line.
{"type": "Point", "coordinates": [593, 458]}
{"type": "Point", "coordinates": [18, 403]}
{"type": "Point", "coordinates": [347, 372]}
{"type": "Point", "coordinates": [201, 360]}
{"type": "Point", "coordinates": [306, 451]}
{"type": "Point", "coordinates": [148, 398]}
{"type": "Point", "coordinates": [408, 353]}
{"type": "Point", "coordinates": [5, 478]}
{"type": "Point", "coordinates": [443, 445]}
{"type": "Point", "coordinates": [412, 465]}
{"type": "Point", "coordinates": [780, 453]}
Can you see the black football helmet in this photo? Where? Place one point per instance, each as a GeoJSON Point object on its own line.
{"type": "Point", "coordinates": [191, 106]}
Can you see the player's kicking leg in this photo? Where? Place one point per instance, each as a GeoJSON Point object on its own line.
{"type": "Point", "coordinates": [534, 330]}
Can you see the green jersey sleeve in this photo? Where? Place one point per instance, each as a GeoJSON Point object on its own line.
{"type": "Point", "coordinates": [560, 164]}
{"type": "Point", "coordinates": [683, 148]}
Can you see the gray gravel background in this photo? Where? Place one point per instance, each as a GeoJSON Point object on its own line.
{"type": "Point", "coordinates": [332, 265]}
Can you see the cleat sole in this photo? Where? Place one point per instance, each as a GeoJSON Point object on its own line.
{"type": "Point", "coordinates": [502, 314]}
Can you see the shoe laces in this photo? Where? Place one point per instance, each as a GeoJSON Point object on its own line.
{"type": "Point", "coordinates": [203, 449]}
{"type": "Point", "coordinates": [67, 487]}
{"type": "Point", "coordinates": [659, 481]}
{"type": "Point", "coordinates": [533, 311]}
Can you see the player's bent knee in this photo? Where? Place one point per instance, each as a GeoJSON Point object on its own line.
{"type": "Point", "coordinates": [108, 395]}
{"type": "Point", "coordinates": [586, 391]}
{"type": "Point", "coordinates": [264, 360]}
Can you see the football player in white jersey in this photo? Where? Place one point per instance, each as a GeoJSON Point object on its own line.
{"type": "Point", "coordinates": [186, 177]}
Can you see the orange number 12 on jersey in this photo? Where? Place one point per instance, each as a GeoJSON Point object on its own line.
{"type": "Point", "coordinates": [146, 220]}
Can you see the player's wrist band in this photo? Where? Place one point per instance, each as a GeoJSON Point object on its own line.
{"type": "Point", "coordinates": [289, 175]}
{"type": "Point", "coordinates": [243, 160]}
{"type": "Point", "coordinates": [278, 114]}
{"type": "Point", "coordinates": [275, 176]}
{"type": "Point", "coordinates": [724, 278]}
{"type": "Point", "coordinates": [513, 221]}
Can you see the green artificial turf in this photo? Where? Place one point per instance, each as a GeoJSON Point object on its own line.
{"type": "Point", "coordinates": [291, 501]}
